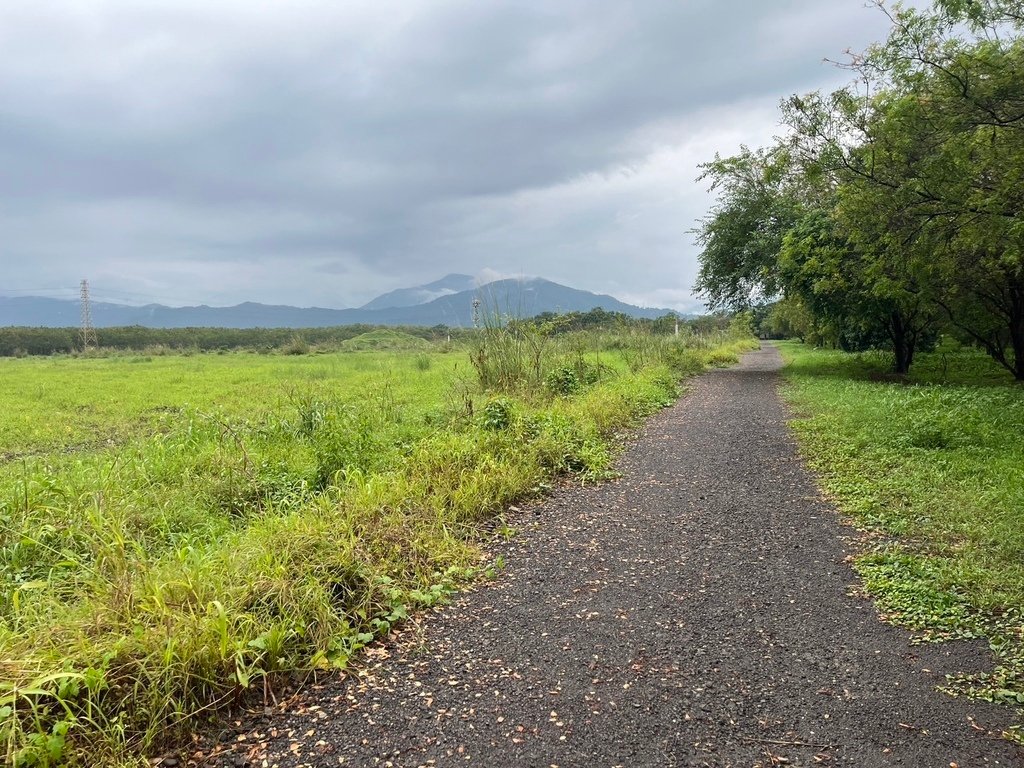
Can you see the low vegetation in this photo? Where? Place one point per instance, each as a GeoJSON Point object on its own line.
{"type": "Point", "coordinates": [177, 531]}
{"type": "Point", "coordinates": [22, 342]}
{"type": "Point", "coordinates": [932, 467]}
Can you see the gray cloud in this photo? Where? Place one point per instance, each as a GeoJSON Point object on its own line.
{"type": "Point", "coordinates": [320, 152]}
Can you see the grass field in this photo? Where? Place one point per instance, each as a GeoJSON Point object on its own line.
{"type": "Point", "coordinates": [176, 530]}
{"type": "Point", "coordinates": [933, 467]}
{"type": "Point", "coordinates": [56, 403]}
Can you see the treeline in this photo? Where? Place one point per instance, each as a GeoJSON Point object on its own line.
{"type": "Point", "coordinates": [18, 341]}
{"type": "Point", "coordinates": [892, 210]}
{"type": "Point", "coordinates": [21, 341]}
{"type": "Point", "coordinates": [599, 319]}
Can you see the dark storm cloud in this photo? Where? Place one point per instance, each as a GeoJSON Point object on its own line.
{"type": "Point", "coordinates": [315, 153]}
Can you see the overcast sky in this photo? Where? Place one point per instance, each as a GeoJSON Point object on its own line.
{"type": "Point", "coordinates": [322, 152]}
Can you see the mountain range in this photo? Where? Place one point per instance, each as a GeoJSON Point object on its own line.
{"type": "Point", "coordinates": [448, 301]}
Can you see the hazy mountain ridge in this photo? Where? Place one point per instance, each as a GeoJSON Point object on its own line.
{"type": "Point", "coordinates": [515, 297]}
{"type": "Point", "coordinates": [422, 294]}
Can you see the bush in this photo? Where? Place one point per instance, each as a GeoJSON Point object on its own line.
{"type": "Point", "coordinates": [563, 381]}
{"type": "Point", "coordinates": [296, 346]}
{"type": "Point", "coordinates": [497, 414]}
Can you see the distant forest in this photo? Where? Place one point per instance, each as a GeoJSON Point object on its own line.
{"type": "Point", "coordinates": [21, 342]}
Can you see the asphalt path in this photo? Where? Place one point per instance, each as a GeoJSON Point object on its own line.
{"type": "Point", "coordinates": [697, 611]}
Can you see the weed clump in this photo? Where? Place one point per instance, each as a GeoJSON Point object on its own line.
{"type": "Point", "coordinates": [296, 346]}
{"type": "Point", "coordinates": [563, 381]}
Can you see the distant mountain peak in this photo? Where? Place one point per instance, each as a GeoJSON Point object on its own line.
{"type": "Point", "coordinates": [422, 294]}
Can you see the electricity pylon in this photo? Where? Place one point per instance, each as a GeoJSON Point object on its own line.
{"type": "Point", "coordinates": [88, 332]}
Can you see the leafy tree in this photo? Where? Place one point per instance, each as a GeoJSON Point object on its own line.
{"type": "Point", "coordinates": [857, 296]}
{"type": "Point", "coordinates": [742, 235]}
{"type": "Point", "coordinates": [788, 318]}
{"type": "Point", "coordinates": [776, 230]}
{"type": "Point", "coordinates": [936, 127]}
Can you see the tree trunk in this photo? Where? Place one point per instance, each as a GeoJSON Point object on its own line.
{"type": "Point", "coordinates": [903, 342]}
{"type": "Point", "coordinates": [1017, 338]}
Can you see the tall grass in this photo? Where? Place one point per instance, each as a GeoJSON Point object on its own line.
{"type": "Point", "coordinates": [510, 356]}
{"type": "Point", "coordinates": [150, 582]}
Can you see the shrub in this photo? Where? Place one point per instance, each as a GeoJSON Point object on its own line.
{"type": "Point", "coordinates": [497, 414]}
{"type": "Point", "coordinates": [563, 381]}
{"type": "Point", "coordinates": [296, 346]}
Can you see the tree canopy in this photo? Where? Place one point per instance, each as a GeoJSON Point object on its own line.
{"type": "Point", "coordinates": [893, 207]}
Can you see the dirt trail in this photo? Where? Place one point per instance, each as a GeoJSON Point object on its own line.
{"type": "Point", "coordinates": [694, 612]}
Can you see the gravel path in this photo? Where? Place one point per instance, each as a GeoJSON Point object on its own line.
{"type": "Point", "coordinates": [695, 612]}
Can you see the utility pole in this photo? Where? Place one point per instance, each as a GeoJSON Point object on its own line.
{"type": "Point", "coordinates": [676, 316]}
{"type": "Point", "coordinates": [88, 332]}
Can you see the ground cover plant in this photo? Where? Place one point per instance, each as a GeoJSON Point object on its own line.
{"type": "Point", "coordinates": [178, 530]}
{"type": "Point", "coordinates": [932, 466]}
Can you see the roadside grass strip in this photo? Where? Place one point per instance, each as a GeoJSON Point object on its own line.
{"type": "Point", "coordinates": [932, 468]}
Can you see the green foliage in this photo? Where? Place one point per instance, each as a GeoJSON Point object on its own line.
{"type": "Point", "coordinates": [510, 356]}
{"type": "Point", "coordinates": [296, 346]}
{"type": "Point", "coordinates": [563, 380]}
{"type": "Point", "coordinates": [741, 237]}
{"type": "Point", "coordinates": [788, 318]}
{"type": "Point", "coordinates": [934, 469]}
{"type": "Point", "coordinates": [892, 205]}
{"type": "Point", "coordinates": [498, 413]}
{"type": "Point", "coordinates": [385, 338]}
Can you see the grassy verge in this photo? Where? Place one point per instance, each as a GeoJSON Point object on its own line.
{"type": "Point", "coordinates": [933, 467]}
{"type": "Point", "coordinates": [277, 515]}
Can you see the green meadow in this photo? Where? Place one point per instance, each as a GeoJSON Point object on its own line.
{"type": "Point", "coordinates": [180, 531]}
{"type": "Point", "coordinates": [931, 466]}
{"type": "Point", "coordinates": [56, 403]}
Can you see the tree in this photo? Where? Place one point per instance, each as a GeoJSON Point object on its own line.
{"type": "Point", "coordinates": [787, 318]}
{"type": "Point", "coordinates": [776, 230]}
{"type": "Point", "coordinates": [857, 295]}
{"type": "Point", "coordinates": [936, 126]}
{"type": "Point", "coordinates": [892, 201]}
{"type": "Point", "coordinates": [742, 235]}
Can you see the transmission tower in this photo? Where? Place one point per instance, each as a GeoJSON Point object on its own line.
{"type": "Point", "coordinates": [88, 332]}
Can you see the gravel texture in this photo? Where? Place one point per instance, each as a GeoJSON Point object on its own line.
{"type": "Point", "coordinates": [697, 611]}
